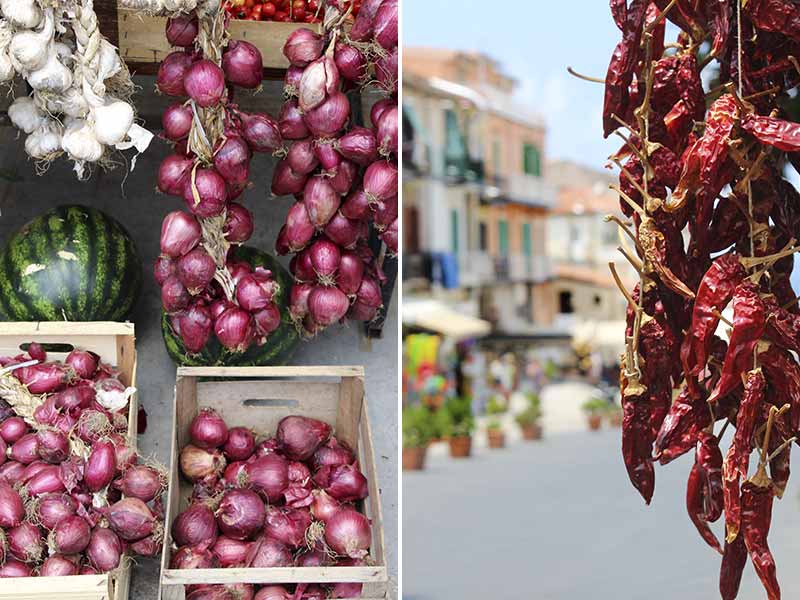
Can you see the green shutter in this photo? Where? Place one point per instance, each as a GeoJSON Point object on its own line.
{"type": "Point", "coordinates": [531, 160]}
{"type": "Point", "coordinates": [503, 231]}
{"type": "Point", "coordinates": [454, 230]}
{"type": "Point", "coordinates": [527, 243]}
{"type": "Point", "coordinates": [455, 150]}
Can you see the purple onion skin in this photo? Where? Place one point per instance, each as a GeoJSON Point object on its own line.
{"type": "Point", "coordinates": [329, 118]}
{"type": "Point", "coordinates": [205, 83]}
{"type": "Point", "coordinates": [172, 72]}
{"type": "Point", "coordinates": [195, 525]}
{"type": "Point", "coordinates": [240, 445]}
{"type": "Point", "coordinates": [241, 514]}
{"type": "Point", "coordinates": [104, 550]}
{"type": "Point", "coordinates": [182, 30]}
{"type": "Point", "coordinates": [303, 46]}
{"type": "Point", "coordinates": [243, 64]}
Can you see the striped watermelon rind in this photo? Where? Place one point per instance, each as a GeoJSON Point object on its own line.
{"type": "Point", "coordinates": [276, 351]}
{"type": "Point", "coordinates": [72, 263]}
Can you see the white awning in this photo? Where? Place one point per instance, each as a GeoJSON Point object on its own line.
{"type": "Point", "coordinates": [437, 317]}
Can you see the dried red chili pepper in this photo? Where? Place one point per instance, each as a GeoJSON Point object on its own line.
{"type": "Point", "coordinates": [718, 13]}
{"type": "Point", "coordinates": [636, 436]}
{"type": "Point", "coordinates": [659, 256]}
{"type": "Point", "coordinates": [781, 134]}
{"type": "Point", "coordinates": [781, 16]}
{"type": "Point", "coordinates": [695, 503]}
{"type": "Point", "coordinates": [749, 320]}
{"type": "Point", "coordinates": [757, 498]}
{"type": "Point", "coordinates": [783, 374]}
{"type": "Point", "coordinates": [738, 455]}
{"type": "Point", "coordinates": [734, 559]}
{"type": "Point", "coordinates": [708, 458]}
{"type": "Point", "coordinates": [687, 418]}
{"type": "Point", "coordinates": [619, 11]}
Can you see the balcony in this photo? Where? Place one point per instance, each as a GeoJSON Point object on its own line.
{"type": "Point", "coordinates": [476, 269]}
{"type": "Point", "coordinates": [519, 268]}
{"type": "Point", "coordinates": [519, 189]}
{"type": "Point", "coordinates": [463, 169]}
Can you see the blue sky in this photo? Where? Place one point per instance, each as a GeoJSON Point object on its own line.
{"type": "Point", "coordinates": [535, 41]}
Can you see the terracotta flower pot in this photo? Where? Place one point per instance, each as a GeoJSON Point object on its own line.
{"type": "Point", "coordinates": [615, 418]}
{"type": "Point", "coordinates": [414, 459]}
{"type": "Point", "coordinates": [532, 432]}
{"type": "Point", "coordinates": [461, 446]}
{"type": "Point", "coordinates": [595, 421]}
{"type": "Point", "coordinates": [497, 439]}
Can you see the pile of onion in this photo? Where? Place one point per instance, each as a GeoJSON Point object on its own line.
{"type": "Point", "coordinates": [287, 500]}
{"type": "Point", "coordinates": [73, 494]}
{"type": "Point", "coordinates": [203, 290]}
{"type": "Point", "coordinates": [343, 176]}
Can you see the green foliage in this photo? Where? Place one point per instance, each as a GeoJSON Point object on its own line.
{"type": "Point", "coordinates": [460, 420]}
{"type": "Point", "coordinates": [531, 414]}
{"type": "Point", "coordinates": [494, 425]}
{"type": "Point", "coordinates": [550, 369]}
{"type": "Point", "coordinates": [595, 405]}
{"type": "Point", "coordinates": [495, 406]}
{"type": "Point", "coordinates": [418, 427]}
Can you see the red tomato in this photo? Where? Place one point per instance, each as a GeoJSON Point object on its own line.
{"type": "Point", "coordinates": [309, 18]}
{"type": "Point", "coordinates": [312, 5]}
{"type": "Point", "coordinates": [280, 16]}
{"type": "Point", "coordinates": [299, 14]}
{"type": "Point", "coordinates": [256, 12]}
{"type": "Point", "coordinates": [268, 9]}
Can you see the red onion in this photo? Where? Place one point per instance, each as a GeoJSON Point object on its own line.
{"type": "Point", "coordinates": [361, 312]}
{"type": "Point", "coordinates": [385, 213]}
{"type": "Point", "coordinates": [311, 558]}
{"type": "Point", "coordinates": [87, 570]}
{"type": "Point", "coordinates": [346, 590]}
{"type": "Point", "coordinates": [356, 205]}
{"type": "Point", "coordinates": [234, 329]}
{"type": "Point", "coordinates": [172, 73]}
{"type": "Point", "coordinates": [300, 437]}
{"type": "Point", "coordinates": [288, 526]}
{"type": "Point", "coordinates": [332, 454]}
{"type": "Point", "coordinates": [348, 533]}
{"type": "Point", "coordinates": [291, 81]}
{"type": "Point", "coordinates": [273, 592]}
{"type": "Point", "coordinates": [193, 557]}
{"type": "Point", "coordinates": [386, 72]}
{"type": "Point", "coordinates": [131, 519]}
{"type": "Point", "coordinates": [302, 268]}
{"type": "Point", "coordinates": [301, 157]}
{"type": "Point", "coordinates": [286, 182]}
{"type": "Point", "coordinates": [51, 509]}
{"type": "Point", "coordinates": [328, 119]}
{"type": "Point", "coordinates": [53, 445]}
{"type": "Point", "coordinates": [238, 270]}
{"type": "Point", "coordinates": [268, 475]}
{"type": "Point", "coordinates": [299, 228]}
{"type": "Point", "coordinates": [195, 326]}
{"type": "Point", "coordinates": [104, 550]}
{"type": "Point", "coordinates": [266, 320]}
{"type": "Point", "coordinates": [195, 525]}
{"type": "Point", "coordinates": [290, 121]}
{"type": "Point", "coordinates": [351, 63]}
{"type": "Point", "coordinates": [47, 412]}
{"type": "Point", "coordinates": [346, 483]}
{"type": "Point", "coordinates": [325, 258]}
{"type": "Point", "coordinates": [321, 200]}
{"type": "Point", "coordinates": [83, 362]}
{"type": "Point", "coordinates": [324, 506]}
{"type": "Point", "coordinates": [13, 568]}
{"type": "Point", "coordinates": [342, 231]}
{"type": "Point", "coordinates": [241, 514]}
{"type": "Point", "coordinates": [212, 195]}
{"type": "Point", "coordinates": [234, 475]}
{"type": "Point", "coordinates": [267, 553]}
{"type": "Point", "coordinates": [230, 552]}
{"type": "Point", "coordinates": [57, 566]}
{"type": "Point", "coordinates": [101, 466]}
{"type": "Point", "coordinates": [165, 270]}
{"type": "Point", "coordinates": [256, 291]}
{"type": "Point", "coordinates": [182, 30]}
{"type": "Point", "coordinates": [142, 482]}
{"type": "Point", "coordinates": [205, 83]}
{"type": "Point", "coordinates": [25, 450]}
{"type": "Point", "coordinates": [359, 145]}
{"type": "Point", "coordinates": [343, 178]}
{"type": "Point", "coordinates": [326, 153]}
{"type": "Point", "coordinates": [71, 535]}
{"type": "Point", "coordinates": [298, 300]}
{"type": "Point", "coordinates": [33, 468]}
{"type": "Point", "coordinates": [369, 293]}
{"type": "Point", "coordinates": [177, 121]}
{"type": "Point", "coordinates": [25, 542]}
{"type": "Point", "coordinates": [385, 24]}
{"type": "Point", "coordinates": [378, 109]}
{"type": "Point", "coordinates": [320, 79]}
{"type": "Point", "coordinates": [363, 26]}
{"type": "Point", "coordinates": [173, 174]}
{"type": "Point", "coordinates": [351, 273]}
{"type": "Point", "coordinates": [269, 446]}
{"type": "Point", "coordinates": [92, 425]}
{"type": "Point", "coordinates": [44, 378]}
{"type": "Point", "coordinates": [195, 270]}
{"type": "Point", "coordinates": [380, 181]}
{"type": "Point", "coordinates": [387, 131]}
{"type": "Point", "coordinates": [37, 352]}
{"type": "Point", "coordinates": [197, 463]}
{"type": "Point", "coordinates": [314, 592]}
{"type": "Point", "coordinates": [232, 160]}
{"type": "Point", "coordinates": [303, 46]}
{"type": "Point", "coordinates": [261, 132]}
{"type": "Point", "coordinates": [389, 237]}
{"type": "Point", "coordinates": [327, 305]}
{"type": "Point", "coordinates": [221, 305]}
{"type": "Point", "coordinates": [242, 64]}
{"type": "Point", "coordinates": [13, 429]}
{"type": "Point", "coordinates": [208, 429]}
{"type": "Point", "coordinates": [238, 224]}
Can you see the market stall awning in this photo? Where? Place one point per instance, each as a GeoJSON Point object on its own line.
{"type": "Point", "coordinates": [437, 317]}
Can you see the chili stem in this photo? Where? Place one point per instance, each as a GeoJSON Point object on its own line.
{"type": "Point", "coordinates": [574, 73]}
{"type": "Point", "coordinates": [622, 288]}
{"type": "Point", "coordinates": [623, 226]}
{"type": "Point", "coordinates": [782, 447]}
{"type": "Point", "coordinates": [638, 209]}
{"type": "Point", "coordinates": [660, 17]}
{"type": "Point", "coordinates": [721, 317]}
{"type": "Point", "coordinates": [635, 262]}
{"type": "Point", "coordinates": [724, 427]}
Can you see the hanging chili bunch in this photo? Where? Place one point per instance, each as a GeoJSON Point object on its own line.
{"type": "Point", "coordinates": [343, 176]}
{"type": "Point", "coordinates": [714, 224]}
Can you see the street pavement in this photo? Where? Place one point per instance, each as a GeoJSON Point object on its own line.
{"type": "Point", "coordinates": [558, 519]}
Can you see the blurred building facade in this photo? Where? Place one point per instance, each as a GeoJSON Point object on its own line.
{"type": "Point", "coordinates": [475, 197]}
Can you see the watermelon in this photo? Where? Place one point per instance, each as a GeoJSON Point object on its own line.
{"type": "Point", "coordinates": [280, 344]}
{"type": "Point", "coordinates": [72, 263]}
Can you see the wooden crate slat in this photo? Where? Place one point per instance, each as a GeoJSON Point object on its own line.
{"type": "Point", "coordinates": [310, 371]}
{"type": "Point", "coordinates": [274, 575]}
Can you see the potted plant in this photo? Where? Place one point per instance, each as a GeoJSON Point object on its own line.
{"type": "Point", "coordinates": [494, 429]}
{"type": "Point", "coordinates": [460, 426]}
{"type": "Point", "coordinates": [528, 420]}
{"type": "Point", "coordinates": [614, 415]}
{"type": "Point", "coordinates": [416, 436]}
{"type": "Point", "coordinates": [595, 408]}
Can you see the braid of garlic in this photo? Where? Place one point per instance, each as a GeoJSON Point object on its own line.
{"type": "Point", "coordinates": [88, 39]}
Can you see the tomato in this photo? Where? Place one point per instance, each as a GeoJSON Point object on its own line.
{"type": "Point", "coordinates": [312, 5]}
{"type": "Point", "coordinates": [309, 18]}
{"type": "Point", "coordinates": [256, 12]}
{"type": "Point", "coordinates": [299, 14]}
{"type": "Point", "coordinates": [280, 15]}
{"type": "Point", "coordinates": [268, 9]}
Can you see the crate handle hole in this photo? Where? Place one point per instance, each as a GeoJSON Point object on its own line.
{"type": "Point", "coordinates": [271, 403]}
{"type": "Point", "coordinates": [65, 348]}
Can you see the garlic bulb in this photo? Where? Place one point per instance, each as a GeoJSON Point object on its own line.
{"type": "Point", "coordinates": [29, 50]}
{"type": "Point", "coordinates": [45, 142]}
{"type": "Point", "coordinates": [112, 122]}
{"type": "Point", "coordinates": [6, 33]}
{"type": "Point", "coordinates": [66, 54]}
{"type": "Point", "coordinates": [22, 13]}
{"type": "Point", "coordinates": [52, 77]}
{"type": "Point", "coordinates": [80, 143]}
{"type": "Point", "coordinates": [25, 115]}
{"type": "Point", "coordinates": [71, 103]}
{"type": "Point", "coordinates": [110, 63]}
{"type": "Point", "coordinates": [7, 71]}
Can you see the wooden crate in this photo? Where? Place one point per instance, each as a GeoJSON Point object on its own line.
{"type": "Point", "coordinates": [259, 397]}
{"type": "Point", "coordinates": [143, 45]}
{"type": "Point", "coordinates": [115, 344]}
